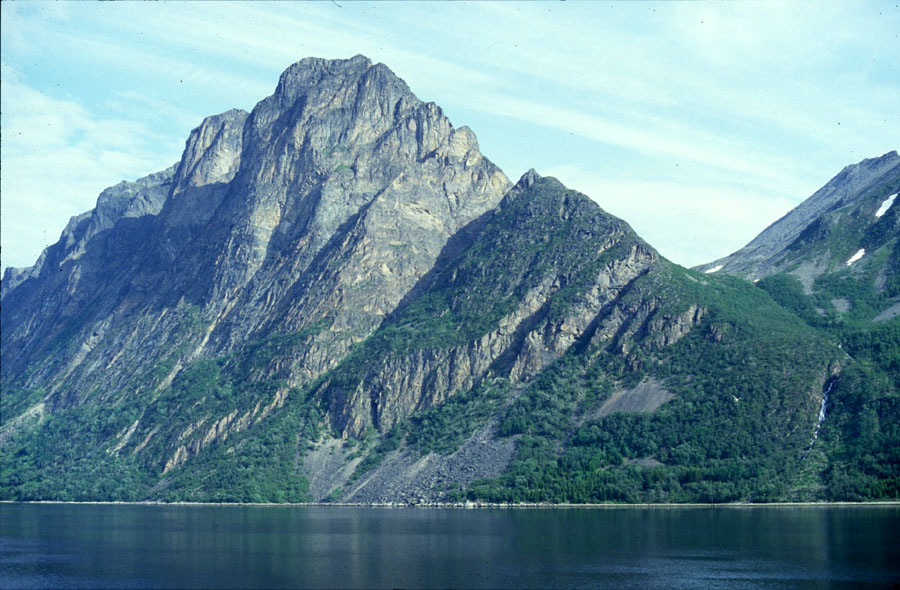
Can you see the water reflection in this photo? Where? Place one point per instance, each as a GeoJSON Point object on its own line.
{"type": "Point", "coordinates": [91, 546]}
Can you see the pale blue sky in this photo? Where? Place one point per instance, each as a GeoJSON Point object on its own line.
{"type": "Point", "coordinates": [698, 123]}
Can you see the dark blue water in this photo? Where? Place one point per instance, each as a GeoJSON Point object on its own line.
{"type": "Point", "coordinates": [119, 546]}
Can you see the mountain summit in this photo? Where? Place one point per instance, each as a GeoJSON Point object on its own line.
{"type": "Point", "coordinates": [336, 296]}
{"type": "Point", "coordinates": [841, 245]}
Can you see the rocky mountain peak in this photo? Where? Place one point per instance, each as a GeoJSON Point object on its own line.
{"type": "Point", "coordinates": [212, 153]}
{"type": "Point", "coordinates": [316, 213]}
{"type": "Point", "coordinates": [312, 71]}
{"type": "Point", "coordinates": [345, 138]}
{"type": "Point", "coordinates": [338, 93]}
{"type": "Point", "coordinates": [862, 171]}
{"type": "Point", "coordinates": [528, 179]}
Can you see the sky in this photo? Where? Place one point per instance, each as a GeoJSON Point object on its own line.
{"type": "Point", "coordinates": [699, 123]}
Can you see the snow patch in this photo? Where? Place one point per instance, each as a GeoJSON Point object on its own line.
{"type": "Point", "coordinates": [859, 254]}
{"type": "Point", "coordinates": [713, 269]}
{"type": "Point", "coordinates": [886, 205]}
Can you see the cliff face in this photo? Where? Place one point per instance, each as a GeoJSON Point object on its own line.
{"type": "Point", "coordinates": [349, 188]}
{"type": "Point", "coordinates": [337, 296]}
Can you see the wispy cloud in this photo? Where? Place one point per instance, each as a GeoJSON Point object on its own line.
{"type": "Point", "coordinates": [696, 147]}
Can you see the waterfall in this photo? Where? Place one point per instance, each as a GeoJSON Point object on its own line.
{"type": "Point", "coordinates": [828, 386]}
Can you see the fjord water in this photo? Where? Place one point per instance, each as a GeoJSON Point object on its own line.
{"type": "Point", "coordinates": [137, 546]}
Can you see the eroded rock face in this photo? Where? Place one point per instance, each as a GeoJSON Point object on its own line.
{"type": "Point", "coordinates": [212, 153]}
{"type": "Point", "coordinates": [350, 187]}
{"type": "Point", "coordinates": [144, 196]}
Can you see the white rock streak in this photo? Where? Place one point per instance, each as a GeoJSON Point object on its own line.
{"type": "Point", "coordinates": [859, 254]}
{"type": "Point", "coordinates": [713, 269]}
{"type": "Point", "coordinates": [886, 205]}
{"type": "Point", "coordinates": [821, 419]}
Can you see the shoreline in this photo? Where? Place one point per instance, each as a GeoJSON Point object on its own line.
{"type": "Point", "coordinates": [472, 505]}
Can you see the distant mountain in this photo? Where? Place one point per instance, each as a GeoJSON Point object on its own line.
{"type": "Point", "coordinates": [834, 261]}
{"type": "Point", "coordinates": [336, 296]}
{"type": "Point", "coordinates": [849, 228]}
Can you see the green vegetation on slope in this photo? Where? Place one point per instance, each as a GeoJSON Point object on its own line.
{"type": "Point", "coordinates": [747, 382]}
{"type": "Point", "coordinates": [259, 463]}
{"type": "Point", "coordinates": [860, 438]}
{"type": "Point", "coordinates": [743, 412]}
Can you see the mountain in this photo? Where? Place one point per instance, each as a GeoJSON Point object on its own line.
{"type": "Point", "coordinates": [834, 261]}
{"type": "Point", "coordinates": [846, 232]}
{"type": "Point", "coordinates": [273, 222]}
{"type": "Point", "coordinates": [336, 296]}
{"type": "Point", "coordinates": [560, 358]}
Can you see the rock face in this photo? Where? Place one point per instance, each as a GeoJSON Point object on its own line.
{"type": "Point", "coordinates": [337, 296]}
{"type": "Point", "coordinates": [212, 153]}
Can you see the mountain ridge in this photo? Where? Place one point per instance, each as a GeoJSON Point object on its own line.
{"type": "Point", "coordinates": [769, 252]}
